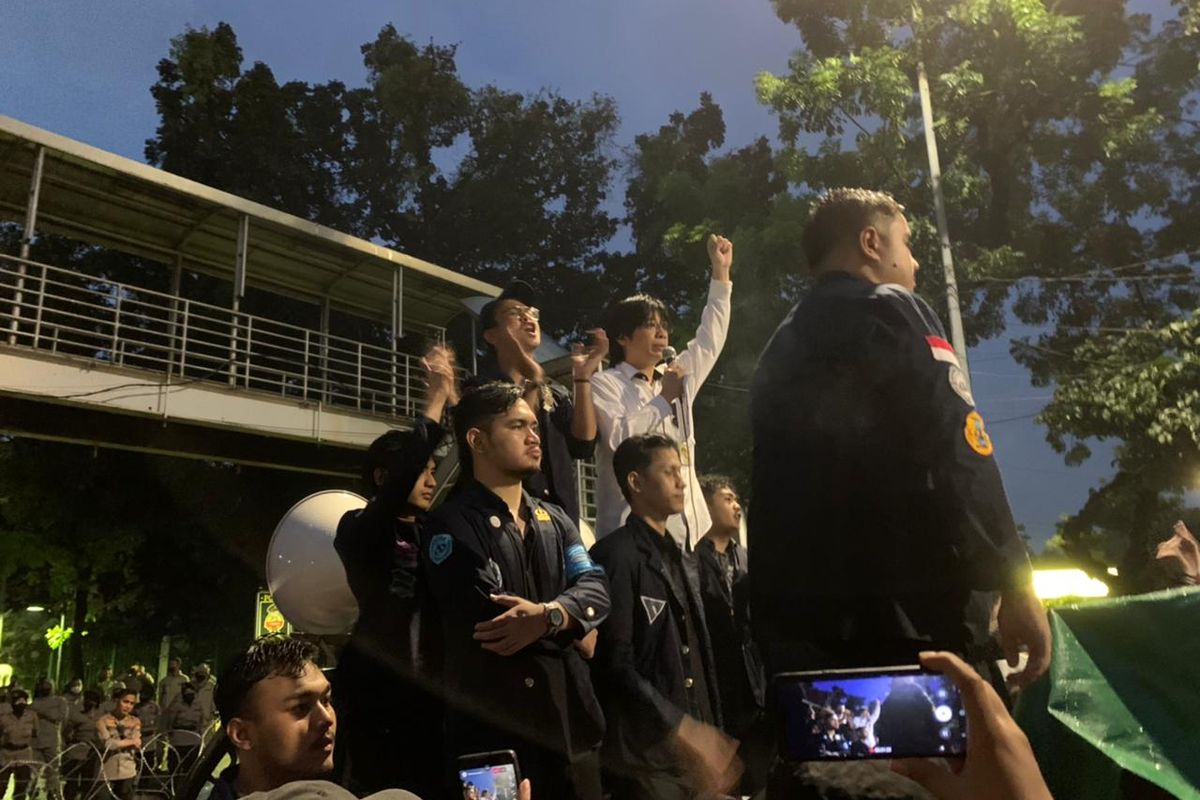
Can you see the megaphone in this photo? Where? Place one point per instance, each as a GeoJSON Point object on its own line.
{"type": "Point", "coordinates": [304, 572]}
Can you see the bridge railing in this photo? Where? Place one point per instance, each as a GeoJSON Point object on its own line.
{"type": "Point", "coordinates": [66, 312]}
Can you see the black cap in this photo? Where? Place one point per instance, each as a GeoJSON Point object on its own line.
{"type": "Point", "coordinates": [515, 290]}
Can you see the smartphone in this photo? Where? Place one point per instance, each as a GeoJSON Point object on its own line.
{"type": "Point", "coordinates": [852, 714]}
{"type": "Point", "coordinates": [489, 776]}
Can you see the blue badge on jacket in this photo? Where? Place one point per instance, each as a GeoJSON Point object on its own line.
{"type": "Point", "coordinates": [440, 547]}
{"type": "Point", "coordinates": [579, 562]}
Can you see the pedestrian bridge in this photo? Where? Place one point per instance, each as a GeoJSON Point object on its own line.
{"type": "Point", "coordinates": [88, 359]}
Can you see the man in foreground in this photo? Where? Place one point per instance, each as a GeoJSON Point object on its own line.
{"type": "Point", "coordinates": [280, 720]}
{"type": "Point", "coordinates": [654, 663]}
{"type": "Point", "coordinates": [879, 517]}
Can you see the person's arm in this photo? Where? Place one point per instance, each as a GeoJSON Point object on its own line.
{"type": "Point", "coordinates": [700, 356]}
{"type": "Point", "coordinates": [587, 598]}
{"type": "Point", "coordinates": [950, 437]}
{"type": "Point", "coordinates": [1000, 764]}
{"type": "Point", "coordinates": [456, 570]}
{"type": "Point", "coordinates": [566, 416]}
{"type": "Point", "coordinates": [585, 362]}
{"type": "Point", "coordinates": [615, 421]}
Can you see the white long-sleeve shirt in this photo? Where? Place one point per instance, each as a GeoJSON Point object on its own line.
{"type": "Point", "coordinates": [627, 407]}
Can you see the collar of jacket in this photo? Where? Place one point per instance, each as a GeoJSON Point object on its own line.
{"type": "Point", "coordinates": [476, 495]}
{"type": "Point", "coordinates": [628, 371]}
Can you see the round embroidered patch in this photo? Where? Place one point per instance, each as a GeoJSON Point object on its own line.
{"type": "Point", "coordinates": [976, 436]}
{"type": "Point", "coordinates": [440, 547]}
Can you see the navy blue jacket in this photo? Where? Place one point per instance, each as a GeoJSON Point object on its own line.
{"type": "Point", "coordinates": [877, 506]}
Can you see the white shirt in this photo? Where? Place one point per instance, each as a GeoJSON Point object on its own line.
{"type": "Point", "coordinates": [627, 407]}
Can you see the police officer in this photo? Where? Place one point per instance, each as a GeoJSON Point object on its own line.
{"type": "Point", "coordinates": [187, 720]}
{"type": "Point", "coordinates": [18, 734]}
{"type": "Point", "coordinates": [168, 687]}
{"type": "Point", "coordinates": [878, 513]}
{"type": "Point", "coordinates": [515, 592]}
{"type": "Point", "coordinates": [384, 706]}
{"type": "Point", "coordinates": [512, 332]}
{"type": "Point", "coordinates": [52, 712]}
{"type": "Point", "coordinates": [654, 663]}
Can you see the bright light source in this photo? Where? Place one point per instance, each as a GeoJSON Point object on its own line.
{"type": "Point", "coordinates": [34, 608]}
{"type": "Point", "coordinates": [1053, 584]}
{"type": "Point", "coordinates": [1113, 571]}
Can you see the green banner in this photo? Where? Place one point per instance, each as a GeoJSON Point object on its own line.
{"type": "Point", "coordinates": [1123, 693]}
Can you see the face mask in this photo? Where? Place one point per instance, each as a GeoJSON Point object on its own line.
{"type": "Point", "coordinates": [18, 707]}
{"type": "Point", "coordinates": [75, 689]}
{"type": "Point", "coordinates": [188, 697]}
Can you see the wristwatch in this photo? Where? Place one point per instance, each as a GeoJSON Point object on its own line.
{"type": "Point", "coordinates": [556, 618]}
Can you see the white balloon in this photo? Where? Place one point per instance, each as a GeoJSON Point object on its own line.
{"type": "Point", "coordinates": [304, 572]}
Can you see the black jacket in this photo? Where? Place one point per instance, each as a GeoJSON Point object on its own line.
{"type": "Point", "coordinates": [471, 549]}
{"type": "Point", "coordinates": [640, 664]}
{"type": "Point", "coordinates": [380, 554]}
{"type": "Point", "coordinates": [877, 505]}
{"type": "Point", "coordinates": [739, 668]}
{"type": "Point", "coordinates": [558, 480]}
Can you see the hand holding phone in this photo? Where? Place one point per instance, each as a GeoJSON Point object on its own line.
{"type": "Point", "coordinates": [999, 763]}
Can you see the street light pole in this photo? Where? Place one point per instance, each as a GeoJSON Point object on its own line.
{"type": "Point", "coordinates": [939, 204]}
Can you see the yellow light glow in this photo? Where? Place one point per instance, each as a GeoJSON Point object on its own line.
{"type": "Point", "coordinates": [1053, 584]}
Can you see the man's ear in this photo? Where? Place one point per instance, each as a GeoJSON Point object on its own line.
{"type": "Point", "coordinates": [634, 480]}
{"type": "Point", "coordinates": [238, 731]}
{"type": "Point", "coordinates": [869, 241]}
{"type": "Point", "coordinates": [475, 440]}
{"type": "Point", "coordinates": [489, 336]}
{"type": "Point", "coordinates": [379, 475]}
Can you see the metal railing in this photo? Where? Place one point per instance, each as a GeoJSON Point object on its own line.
{"type": "Point", "coordinates": [71, 313]}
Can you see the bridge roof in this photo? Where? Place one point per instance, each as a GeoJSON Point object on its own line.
{"type": "Point", "coordinates": [95, 196]}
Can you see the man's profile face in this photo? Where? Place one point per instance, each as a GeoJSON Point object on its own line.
{"type": "Point", "coordinates": [725, 509]}
{"type": "Point", "coordinates": [290, 725]}
{"type": "Point", "coordinates": [661, 484]}
{"type": "Point", "coordinates": [895, 255]}
{"type": "Point", "coordinates": [421, 496]}
{"type": "Point", "coordinates": [511, 443]}
{"type": "Point", "coordinates": [521, 322]}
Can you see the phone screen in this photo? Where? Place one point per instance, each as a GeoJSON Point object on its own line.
{"type": "Point", "coordinates": [882, 713]}
{"type": "Point", "coordinates": [488, 782]}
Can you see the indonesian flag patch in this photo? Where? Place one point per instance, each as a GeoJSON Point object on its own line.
{"type": "Point", "coordinates": [941, 350]}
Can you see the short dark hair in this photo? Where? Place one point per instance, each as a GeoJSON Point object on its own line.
{"type": "Point", "coordinates": [711, 484]}
{"type": "Point", "coordinates": [838, 215]}
{"type": "Point", "coordinates": [380, 454]}
{"type": "Point", "coordinates": [264, 658]}
{"type": "Point", "coordinates": [121, 691]}
{"type": "Point", "coordinates": [16, 692]}
{"type": "Point", "coordinates": [479, 406]}
{"type": "Point", "coordinates": [626, 316]}
{"type": "Point", "coordinates": [635, 454]}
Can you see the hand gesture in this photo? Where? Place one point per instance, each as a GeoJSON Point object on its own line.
{"type": "Point", "coordinates": [720, 256]}
{"type": "Point", "coordinates": [587, 645]}
{"type": "Point", "coordinates": [522, 624]}
{"type": "Point", "coordinates": [585, 362]}
{"type": "Point", "coordinates": [709, 757]}
{"type": "Point", "coordinates": [1022, 623]}
{"type": "Point", "coordinates": [440, 374]}
{"type": "Point", "coordinates": [999, 764]}
{"type": "Point", "coordinates": [672, 383]}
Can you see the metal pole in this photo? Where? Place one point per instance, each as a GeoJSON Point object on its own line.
{"type": "Point", "coordinates": [239, 290]}
{"type": "Point", "coordinates": [31, 211]}
{"type": "Point", "coordinates": [173, 325]}
{"type": "Point", "coordinates": [325, 308]}
{"type": "Point", "coordinates": [939, 203]}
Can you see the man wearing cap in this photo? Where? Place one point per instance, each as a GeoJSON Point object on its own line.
{"type": "Point", "coordinates": [567, 420]}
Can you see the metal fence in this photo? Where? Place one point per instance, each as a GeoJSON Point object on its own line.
{"type": "Point", "coordinates": [71, 313]}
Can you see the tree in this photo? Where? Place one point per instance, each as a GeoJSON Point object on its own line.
{"type": "Point", "coordinates": [1067, 144]}
{"type": "Point", "coordinates": [490, 183]}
